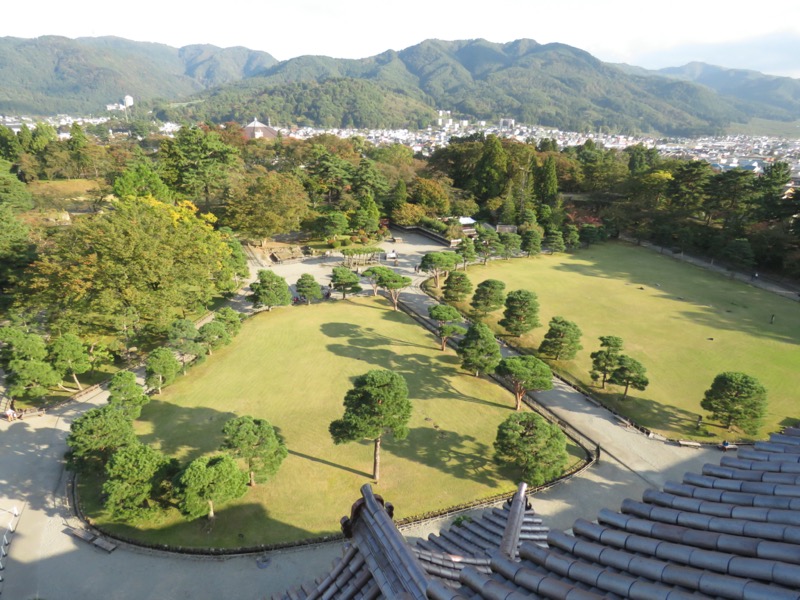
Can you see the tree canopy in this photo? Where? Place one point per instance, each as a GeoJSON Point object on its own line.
{"type": "Point", "coordinates": [256, 443]}
{"type": "Point", "coordinates": [488, 297]}
{"type": "Point", "coordinates": [630, 373]}
{"type": "Point", "coordinates": [526, 374]}
{"type": "Point", "coordinates": [376, 405]}
{"type": "Point", "coordinates": [479, 350]}
{"type": "Point", "coordinates": [457, 286]}
{"type": "Point", "coordinates": [270, 290]}
{"type": "Point", "coordinates": [97, 434]}
{"type": "Point", "coordinates": [210, 480]}
{"type": "Point", "coordinates": [139, 264]}
{"type": "Point", "coordinates": [161, 368]}
{"type": "Point", "coordinates": [345, 281]}
{"type": "Point", "coordinates": [308, 288]}
{"type": "Point", "coordinates": [522, 312]}
{"type": "Point", "coordinates": [438, 263]}
{"type": "Point", "coordinates": [125, 394]}
{"type": "Point", "coordinates": [562, 340]}
{"type": "Point", "coordinates": [736, 399]}
{"type": "Point", "coordinates": [605, 360]}
{"type": "Point", "coordinates": [443, 315]}
{"type": "Point", "coordinates": [135, 474]}
{"type": "Point", "coordinates": [533, 444]}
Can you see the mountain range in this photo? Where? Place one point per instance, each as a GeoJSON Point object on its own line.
{"type": "Point", "coordinates": [548, 84]}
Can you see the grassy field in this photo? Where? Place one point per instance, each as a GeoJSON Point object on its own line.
{"type": "Point", "coordinates": [684, 323]}
{"type": "Point", "coordinates": [293, 366]}
{"type": "Point", "coordinates": [62, 194]}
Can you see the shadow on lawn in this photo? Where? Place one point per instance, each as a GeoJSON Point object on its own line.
{"type": "Point", "coordinates": [329, 463]}
{"type": "Point", "coordinates": [427, 378]}
{"type": "Point", "coordinates": [453, 453]}
{"type": "Point", "coordinates": [239, 526]}
{"type": "Point", "coordinates": [191, 430]}
{"type": "Point", "coordinates": [660, 417]}
{"type": "Point", "coordinates": [716, 301]}
{"type": "Point", "coordinates": [364, 337]}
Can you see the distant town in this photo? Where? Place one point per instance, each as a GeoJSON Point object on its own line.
{"type": "Point", "coordinates": [722, 152]}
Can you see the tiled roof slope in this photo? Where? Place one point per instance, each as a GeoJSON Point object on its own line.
{"type": "Point", "coordinates": [732, 531]}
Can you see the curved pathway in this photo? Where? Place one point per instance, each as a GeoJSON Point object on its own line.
{"type": "Point", "coordinates": [44, 561]}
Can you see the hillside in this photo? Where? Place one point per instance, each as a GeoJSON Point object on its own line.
{"type": "Point", "coordinates": [548, 84]}
{"type": "Point", "coordinates": [50, 74]}
{"type": "Point", "coordinates": [553, 85]}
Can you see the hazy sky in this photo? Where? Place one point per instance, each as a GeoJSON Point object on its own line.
{"type": "Point", "coordinates": [738, 34]}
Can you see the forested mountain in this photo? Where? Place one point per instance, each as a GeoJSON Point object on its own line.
{"type": "Point", "coordinates": [50, 74]}
{"type": "Point", "coordinates": [549, 84]}
{"type": "Point", "coordinates": [779, 96]}
{"type": "Point", "coordinates": [757, 94]}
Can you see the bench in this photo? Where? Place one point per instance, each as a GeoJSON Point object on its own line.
{"type": "Point", "coordinates": [30, 412]}
{"type": "Point", "coordinates": [689, 444]}
{"type": "Point", "coordinates": [25, 412]}
{"type": "Point", "coordinates": [104, 544]}
{"type": "Point", "coordinates": [82, 534]}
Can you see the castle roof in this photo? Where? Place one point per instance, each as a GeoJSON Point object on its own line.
{"type": "Point", "coordinates": [732, 531]}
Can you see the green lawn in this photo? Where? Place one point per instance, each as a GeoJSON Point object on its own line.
{"type": "Point", "coordinates": [684, 323]}
{"type": "Point", "coordinates": [293, 366]}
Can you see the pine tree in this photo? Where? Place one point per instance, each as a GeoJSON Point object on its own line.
{"type": "Point", "coordinates": [377, 404]}
{"type": "Point", "coordinates": [479, 350]}
{"type": "Point", "coordinates": [562, 340]}
{"type": "Point", "coordinates": [522, 312]}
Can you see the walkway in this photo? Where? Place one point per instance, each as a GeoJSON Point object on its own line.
{"type": "Point", "coordinates": [45, 562]}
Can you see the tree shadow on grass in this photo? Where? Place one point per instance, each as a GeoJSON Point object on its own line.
{"type": "Point", "coordinates": [329, 463]}
{"type": "Point", "coordinates": [187, 430]}
{"type": "Point", "coordinates": [657, 416]}
{"type": "Point", "coordinates": [460, 456]}
{"type": "Point", "coordinates": [234, 526]}
{"type": "Point", "coordinates": [365, 337]}
{"type": "Point", "coordinates": [427, 378]}
{"type": "Point", "coordinates": [717, 301]}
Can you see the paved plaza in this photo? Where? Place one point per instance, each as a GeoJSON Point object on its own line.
{"type": "Point", "coordinates": [47, 563]}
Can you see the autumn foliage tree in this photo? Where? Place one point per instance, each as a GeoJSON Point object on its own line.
{"type": "Point", "coordinates": [137, 265]}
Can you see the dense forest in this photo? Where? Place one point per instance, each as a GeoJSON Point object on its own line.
{"type": "Point", "coordinates": [159, 236]}
{"type": "Point", "coordinates": [552, 85]}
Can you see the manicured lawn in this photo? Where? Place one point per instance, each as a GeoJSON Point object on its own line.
{"type": "Point", "coordinates": [684, 323]}
{"type": "Point", "coordinates": [293, 366]}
